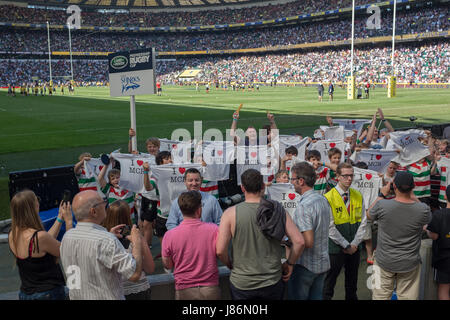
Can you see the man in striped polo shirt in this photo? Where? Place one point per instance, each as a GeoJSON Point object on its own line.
{"type": "Point", "coordinates": [211, 210]}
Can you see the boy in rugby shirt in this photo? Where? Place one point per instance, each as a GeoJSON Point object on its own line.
{"type": "Point", "coordinates": [322, 172]}
{"type": "Point", "coordinates": [421, 171]}
{"type": "Point", "coordinates": [84, 183]}
{"type": "Point", "coordinates": [334, 156]}
{"type": "Point", "coordinates": [113, 191]}
{"type": "Point", "coordinates": [442, 168]}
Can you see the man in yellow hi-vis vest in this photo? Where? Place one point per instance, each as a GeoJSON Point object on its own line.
{"type": "Point", "coordinates": [347, 228]}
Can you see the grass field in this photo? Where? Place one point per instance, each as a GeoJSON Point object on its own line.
{"type": "Point", "coordinates": [40, 132]}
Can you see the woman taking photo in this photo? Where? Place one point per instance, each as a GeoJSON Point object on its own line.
{"type": "Point", "coordinates": [36, 250]}
{"type": "Point", "coordinates": [118, 213]}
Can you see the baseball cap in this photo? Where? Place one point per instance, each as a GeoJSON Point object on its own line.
{"type": "Point", "coordinates": [404, 181]}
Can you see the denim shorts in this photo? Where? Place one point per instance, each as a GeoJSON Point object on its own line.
{"type": "Point", "coordinates": [57, 293]}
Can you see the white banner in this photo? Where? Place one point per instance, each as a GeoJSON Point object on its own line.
{"type": "Point", "coordinates": [412, 150]}
{"type": "Point", "coordinates": [170, 182]}
{"type": "Point", "coordinates": [352, 124]}
{"type": "Point", "coordinates": [323, 146]}
{"type": "Point", "coordinates": [333, 133]}
{"type": "Point", "coordinates": [376, 159]}
{"type": "Point", "coordinates": [285, 194]}
{"type": "Point", "coordinates": [367, 182]}
{"type": "Point", "coordinates": [286, 141]}
{"type": "Point", "coordinates": [93, 167]}
{"type": "Point", "coordinates": [131, 171]}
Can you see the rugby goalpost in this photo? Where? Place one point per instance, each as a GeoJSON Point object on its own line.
{"type": "Point", "coordinates": [392, 79]}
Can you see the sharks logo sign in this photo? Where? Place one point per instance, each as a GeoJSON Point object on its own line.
{"type": "Point", "coordinates": [130, 83]}
{"type": "Point", "coordinates": [132, 72]}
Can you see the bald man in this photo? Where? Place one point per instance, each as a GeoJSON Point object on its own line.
{"type": "Point", "coordinates": [94, 260]}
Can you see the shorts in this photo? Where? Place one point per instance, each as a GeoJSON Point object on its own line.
{"type": "Point", "coordinates": [441, 277]}
{"type": "Point", "coordinates": [159, 89]}
{"type": "Point", "coordinates": [148, 209]}
{"type": "Point", "coordinates": [320, 93]}
{"type": "Point", "coordinates": [160, 227]}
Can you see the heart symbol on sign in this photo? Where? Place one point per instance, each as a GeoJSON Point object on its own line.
{"type": "Point", "coordinates": [182, 170]}
{"type": "Point", "coordinates": [353, 121]}
{"type": "Point", "coordinates": [407, 138]}
{"type": "Point", "coordinates": [174, 146]}
{"type": "Point", "coordinates": [291, 196]}
{"type": "Point", "coordinates": [368, 176]}
{"type": "Point", "coordinates": [140, 162]}
{"type": "Point", "coordinates": [332, 144]}
{"type": "Point", "coordinates": [378, 156]}
{"type": "Point", "coordinates": [253, 154]}
{"type": "Point", "coordinates": [100, 168]}
{"type": "Point", "coordinates": [220, 152]}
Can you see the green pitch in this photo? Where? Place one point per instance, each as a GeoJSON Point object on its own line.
{"type": "Point", "coordinates": [40, 132]}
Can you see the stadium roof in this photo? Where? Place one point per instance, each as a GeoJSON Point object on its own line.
{"type": "Point", "coordinates": [142, 4]}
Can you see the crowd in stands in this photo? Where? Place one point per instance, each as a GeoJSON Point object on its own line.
{"type": "Point", "coordinates": [349, 184]}
{"type": "Point", "coordinates": [179, 18]}
{"type": "Point", "coordinates": [425, 63]}
{"type": "Point", "coordinates": [407, 23]}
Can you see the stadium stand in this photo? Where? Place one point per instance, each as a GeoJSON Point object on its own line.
{"type": "Point", "coordinates": [295, 52]}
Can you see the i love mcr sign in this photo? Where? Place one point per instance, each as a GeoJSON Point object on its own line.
{"type": "Point", "coordinates": [132, 72]}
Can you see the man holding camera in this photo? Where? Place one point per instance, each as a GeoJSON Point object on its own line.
{"type": "Point", "coordinates": [400, 224]}
{"type": "Point", "coordinates": [94, 260]}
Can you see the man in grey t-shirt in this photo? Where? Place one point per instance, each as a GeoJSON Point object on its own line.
{"type": "Point", "coordinates": [400, 225]}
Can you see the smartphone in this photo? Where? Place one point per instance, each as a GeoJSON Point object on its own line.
{"type": "Point", "coordinates": [67, 196]}
{"type": "Point", "coordinates": [126, 231]}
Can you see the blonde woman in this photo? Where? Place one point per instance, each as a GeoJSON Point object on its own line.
{"type": "Point", "coordinates": [36, 250]}
{"type": "Point", "coordinates": [118, 213]}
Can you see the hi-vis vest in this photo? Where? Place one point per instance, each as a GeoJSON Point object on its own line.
{"type": "Point", "coordinates": [347, 220]}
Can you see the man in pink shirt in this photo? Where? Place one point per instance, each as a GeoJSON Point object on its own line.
{"type": "Point", "coordinates": [190, 249]}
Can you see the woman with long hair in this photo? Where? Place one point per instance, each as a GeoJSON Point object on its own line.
{"type": "Point", "coordinates": [118, 213]}
{"type": "Point", "coordinates": [36, 250]}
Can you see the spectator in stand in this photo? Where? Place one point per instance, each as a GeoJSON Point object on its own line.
{"type": "Point", "coordinates": [312, 218]}
{"type": "Point", "coordinates": [439, 230]}
{"type": "Point", "coordinates": [193, 258]}
{"type": "Point", "coordinates": [400, 225]}
{"type": "Point", "coordinates": [211, 210]}
{"type": "Point", "coordinates": [118, 213]}
{"type": "Point", "coordinates": [99, 255]}
{"type": "Point", "coordinates": [347, 227]}
{"type": "Point", "coordinates": [256, 270]}
{"type": "Point", "coordinates": [36, 251]}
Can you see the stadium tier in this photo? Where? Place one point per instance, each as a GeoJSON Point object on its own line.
{"type": "Point", "coordinates": [420, 63]}
{"type": "Point", "coordinates": [126, 17]}
{"type": "Point", "coordinates": [20, 40]}
{"type": "Point", "coordinates": [289, 51]}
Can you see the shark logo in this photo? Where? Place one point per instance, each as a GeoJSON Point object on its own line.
{"type": "Point", "coordinates": [130, 83]}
